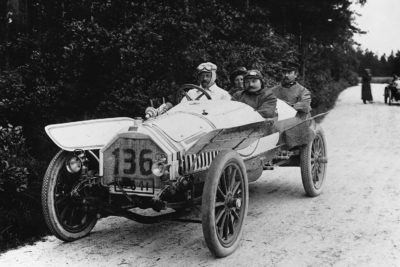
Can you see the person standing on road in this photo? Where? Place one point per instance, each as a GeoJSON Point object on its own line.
{"type": "Point", "coordinates": [256, 95]}
{"type": "Point", "coordinates": [366, 94]}
{"type": "Point", "coordinates": [206, 76]}
{"type": "Point", "coordinates": [236, 78]}
{"type": "Point", "coordinates": [292, 92]}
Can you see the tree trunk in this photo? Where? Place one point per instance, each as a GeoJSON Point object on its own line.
{"type": "Point", "coordinates": [303, 61]}
{"type": "Point", "coordinates": [303, 52]}
{"type": "Point", "coordinates": [186, 3]}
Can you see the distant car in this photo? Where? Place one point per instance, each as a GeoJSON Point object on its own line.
{"type": "Point", "coordinates": [198, 152]}
{"type": "Point", "coordinates": [392, 92]}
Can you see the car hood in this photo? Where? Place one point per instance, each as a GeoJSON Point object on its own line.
{"type": "Point", "coordinates": [190, 120]}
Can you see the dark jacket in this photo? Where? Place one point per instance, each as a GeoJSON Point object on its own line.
{"type": "Point", "coordinates": [262, 101]}
{"type": "Point", "coordinates": [234, 90]}
{"type": "Point", "coordinates": [300, 99]}
{"type": "Point", "coordinates": [295, 95]}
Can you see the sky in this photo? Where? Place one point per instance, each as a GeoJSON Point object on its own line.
{"type": "Point", "coordinates": [381, 20]}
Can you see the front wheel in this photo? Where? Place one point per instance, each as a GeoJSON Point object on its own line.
{"type": "Point", "coordinates": [225, 203]}
{"type": "Point", "coordinates": [313, 164]}
{"type": "Point", "coordinates": [66, 215]}
{"type": "Point", "coordinates": [390, 97]}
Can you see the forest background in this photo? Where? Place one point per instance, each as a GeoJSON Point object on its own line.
{"type": "Point", "coordinates": [65, 60]}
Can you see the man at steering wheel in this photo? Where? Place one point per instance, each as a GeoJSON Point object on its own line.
{"type": "Point", "coordinates": [206, 76]}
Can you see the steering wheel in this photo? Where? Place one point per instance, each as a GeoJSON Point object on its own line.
{"type": "Point", "coordinates": [186, 87]}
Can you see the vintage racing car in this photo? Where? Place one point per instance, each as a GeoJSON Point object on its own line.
{"type": "Point", "coordinates": [198, 152]}
{"type": "Point", "coordinates": [392, 92]}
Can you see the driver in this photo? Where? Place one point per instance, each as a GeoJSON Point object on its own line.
{"type": "Point", "coordinates": [206, 76]}
{"type": "Point", "coordinates": [256, 95]}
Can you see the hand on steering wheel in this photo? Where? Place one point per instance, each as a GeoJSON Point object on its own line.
{"type": "Point", "coordinates": [186, 87]}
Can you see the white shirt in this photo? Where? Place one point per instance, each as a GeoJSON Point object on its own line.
{"type": "Point", "coordinates": [214, 91]}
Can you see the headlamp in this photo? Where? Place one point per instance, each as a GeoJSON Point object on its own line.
{"type": "Point", "coordinates": [158, 169]}
{"type": "Point", "coordinates": [73, 165]}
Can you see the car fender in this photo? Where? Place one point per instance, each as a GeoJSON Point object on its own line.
{"type": "Point", "coordinates": [87, 135]}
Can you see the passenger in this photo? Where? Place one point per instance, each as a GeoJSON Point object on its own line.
{"type": "Point", "coordinates": [295, 131]}
{"type": "Point", "coordinates": [292, 92]}
{"type": "Point", "coordinates": [256, 95]}
{"type": "Point", "coordinates": [236, 78]}
{"type": "Point", "coordinates": [395, 81]}
{"type": "Point", "coordinates": [206, 75]}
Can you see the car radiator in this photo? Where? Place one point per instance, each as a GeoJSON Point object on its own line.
{"type": "Point", "coordinates": [196, 162]}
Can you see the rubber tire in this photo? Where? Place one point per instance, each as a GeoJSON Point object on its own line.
{"type": "Point", "coordinates": [390, 100]}
{"type": "Point", "coordinates": [305, 166]}
{"type": "Point", "coordinates": [49, 212]}
{"type": "Point", "coordinates": [385, 95]}
{"type": "Point", "coordinates": [208, 202]}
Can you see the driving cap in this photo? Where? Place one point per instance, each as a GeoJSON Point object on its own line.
{"type": "Point", "coordinates": [206, 67]}
{"type": "Point", "coordinates": [237, 72]}
{"type": "Point", "coordinates": [253, 74]}
{"type": "Point", "coordinates": [289, 66]}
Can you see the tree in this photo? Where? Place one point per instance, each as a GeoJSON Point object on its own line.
{"type": "Point", "coordinates": [315, 24]}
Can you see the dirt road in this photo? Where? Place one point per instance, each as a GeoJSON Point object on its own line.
{"type": "Point", "coordinates": [355, 222]}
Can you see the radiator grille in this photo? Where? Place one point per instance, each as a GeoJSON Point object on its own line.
{"type": "Point", "coordinates": [196, 162]}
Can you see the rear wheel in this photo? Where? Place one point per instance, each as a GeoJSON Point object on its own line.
{"type": "Point", "coordinates": [225, 203]}
{"type": "Point", "coordinates": [66, 215]}
{"type": "Point", "coordinates": [313, 164]}
{"type": "Point", "coordinates": [390, 97]}
{"type": "Point", "coordinates": [385, 95]}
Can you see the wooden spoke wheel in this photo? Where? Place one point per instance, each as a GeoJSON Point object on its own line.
{"type": "Point", "coordinates": [66, 215]}
{"type": "Point", "coordinates": [224, 203]}
{"type": "Point", "coordinates": [313, 164]}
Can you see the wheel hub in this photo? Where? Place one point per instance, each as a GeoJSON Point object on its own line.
{"type": "Point", "coordinates": [322, 159]}
{"type": "Point", "coordinates": [228, 200]}
{"type": "Point", "coordinates": [232, 202]}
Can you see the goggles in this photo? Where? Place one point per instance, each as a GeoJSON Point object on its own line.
{"type": "Point", "coordinates": [253, 74]}
{"type": "Point", "coordinates": [208, 66]}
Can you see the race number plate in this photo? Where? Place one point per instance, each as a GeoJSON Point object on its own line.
{"type": "Point", "coordinates": [127, 165]}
